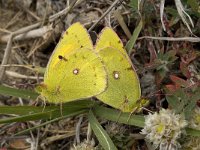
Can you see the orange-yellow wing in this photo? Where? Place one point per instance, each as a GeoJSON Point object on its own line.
{"type": "Point", "coordinates": [78, 75]}
{"type": "Point", "coordinates": [123, 91]}
{"type": "Point", "coordinates": [75, 37]}
{"type": "Point", "coordinates": [108, 38]}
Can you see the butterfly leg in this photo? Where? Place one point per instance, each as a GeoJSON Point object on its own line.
{"type": "Point", "coordinates": [120, 113]}
{"type": "Point", "coordinates": [44, 102]}
{"type": "Point", "coordinates": [139, 106]}
{"type": "Point", "coordinates": [132, 112]}
{"type": "Point", "coordinates": [61, 109]}
{"type": "Point", "coordinates": [36, 101]}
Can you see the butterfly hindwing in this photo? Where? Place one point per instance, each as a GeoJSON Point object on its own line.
{"type": "Point", "coordinates": [123, 89]}
{"type": "Point", "coordinates": [108, 38]}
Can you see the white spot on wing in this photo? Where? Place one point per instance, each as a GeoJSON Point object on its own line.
{"type": "Point", "coordinates": [75, 71]}
{"type": "Point", "coordinates": [116, 75]}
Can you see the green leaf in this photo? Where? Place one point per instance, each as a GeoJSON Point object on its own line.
{"type": "Point", "coordinates": [100, 133]}
{"type": "Point", "coordinates": [193, 132]}
{"type": "Point", "coordinates": [29, 117]}
{"type": "Point", "coordinates": [134, 4]}
{"type": "Point", "coordinates": [4, 90]}
{"type": "Point", "coordinates": [172, 100]}
{"type": "Point", "coordinates": [186, 102]}
{"type": "Point", "coordinates": [22, 110]}
{"type": "Point", "coordinates": [29, 113]}
{"type": "Point", "coordinates": [194, 5]}
{"type": "Point", "coordinates": [131, 42]}
{"type": "Point", "coordinates": [115, 115]}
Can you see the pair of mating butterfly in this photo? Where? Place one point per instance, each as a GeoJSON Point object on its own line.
{"type": "Point", "coordinates": [78, 70]}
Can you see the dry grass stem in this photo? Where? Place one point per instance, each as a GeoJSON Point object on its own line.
{"type": "Point", "coordinates": [122, 23]}
{"type": "Point", "coordinates": [36, 33]}
{"type": "Point", "coordinates": [21, 76]}
{"type": "Point", "coordinates": [162, 6]}
{"type": "Point", "coordinates": [6, 56]}
{"type": "Point", "coordinates": [63, 12]}
{"type": "Point", "coordinates": [189, 39]}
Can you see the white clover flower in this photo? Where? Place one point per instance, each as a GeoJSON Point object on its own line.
{"type": "Point", "coordinates": [163, 129]}
{"type": "Point", "coordinates": [195, 120]}
{"type": "Point", "coordinates": [192, 143]}
{"type": "Point", "coordinates": [85, 145]}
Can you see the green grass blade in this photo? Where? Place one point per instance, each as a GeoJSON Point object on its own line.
{"type": "Point", "coordinates": [100, 133]}
{"type": "Point", "coordinates": [30, 117]}
{"type": "Point", "coordinates": [21, 110]}
{"type": "Point", "coordinates": [53, 120]}
{"type": "Point", "coordinates": [28, 113]}
{"type": "Point", "coordinates": [131, 42]}
{"type": "Point", "coordinates": [4, 90]}
{"type": "Point", "coordinates": [115, 115]}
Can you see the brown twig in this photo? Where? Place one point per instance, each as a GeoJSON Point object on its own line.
{"type": "Point", "coordinates": [107, 11]}
{"type": "Point", "coordinates": [6, 56]}
{"type": "Point", "coordinates": [13, 21]}
{"type": "Point", "coordinates": [9, 47]}
{"type": "Point", "coordinates": [39, 44]}
{"type": "Point", "coordinates": [62, 12]}
{"type": "Point", "coordinates": [23, 31]}
{"type": "Point", "coordinates": [29, 12]}
{"type": "Point", "coordinates": [21, 76]}
{"type": "Point", "coordinates": [27, 33]}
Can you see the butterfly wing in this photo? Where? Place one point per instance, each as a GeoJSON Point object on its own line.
{"type": "Point", "coordinates": [75, 37]}
{"type": "Point", "coordinates": [108, 38]}
{"type": "Point", "coordinates": [77, 75]}
{"type": "Point", "coordinates": [123, 89]}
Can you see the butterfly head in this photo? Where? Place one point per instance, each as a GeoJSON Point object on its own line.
{"type": "Point", "coordinates": [48, 93]}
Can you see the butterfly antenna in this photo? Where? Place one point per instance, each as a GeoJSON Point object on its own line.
{"type": "Point", "coordinates": [35, 103]}
{"type": "Point", "coordinates": [148, 110]}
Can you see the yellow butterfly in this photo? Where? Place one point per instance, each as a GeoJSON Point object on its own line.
{"type": "Point", "coordinates": [123, 91]}
{"type": "Point", "coordinates": [75, 70]}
